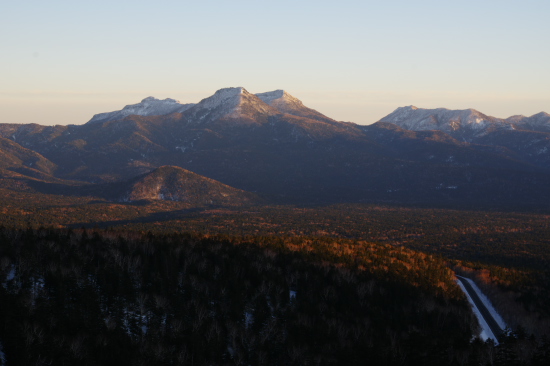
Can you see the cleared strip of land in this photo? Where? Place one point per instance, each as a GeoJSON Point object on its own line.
{"type": "Point", "coordinates": [482, 309]}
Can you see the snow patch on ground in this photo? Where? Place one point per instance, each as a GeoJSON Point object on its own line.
{"type": "Point", "coordinates": [9, 277]}
{"type": "Point", "coordinates": [292, 294]}
{"type": "Point", "coordinates": [248, 319]}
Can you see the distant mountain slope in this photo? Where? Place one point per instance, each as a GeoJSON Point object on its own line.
{"type": "Point", "coordinates": [527, 145]}
{"type": "Point", "coordinates": [177, 184]}
{"type": "Point", "coordinates": [537, 122]}
{"type": "Point", "coordinates": [438, 147]}
{"type": "Point", "coordinates": [271, 144]}
{"type": "Point", "coordinates": [17, 158]}
{"type": "Point", "coordinates": [517, 137]}
{"type": "Point", "coordinates": [32, 136]}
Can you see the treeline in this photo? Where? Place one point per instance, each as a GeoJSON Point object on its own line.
{"type": "Point", "coordinates": [510, 239]}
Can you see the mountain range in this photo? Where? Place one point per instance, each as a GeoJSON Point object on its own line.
{"type": "Point", "coordinates": [467, 123]}
{"type": "Point", "coordinates": [274, 147]}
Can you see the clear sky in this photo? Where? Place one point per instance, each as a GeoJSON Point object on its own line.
{"type": "Point", "coordinates": [63, 61]}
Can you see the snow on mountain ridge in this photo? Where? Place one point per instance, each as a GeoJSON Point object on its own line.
{"type": "Point", "coordinates": [280, 99]}
{"type": "Point", "coordinates": [286, 103]}
{"type": "Point", "coordinates": [516, 118]}
{"type": "Point", "coordinates": [233, 102]}
{"type": "Point", "coordinates": [149, 106]}
{"type": "Point", "coordinates": [446, 120]}
{"type": "Point", "coordinates": [268, 97]}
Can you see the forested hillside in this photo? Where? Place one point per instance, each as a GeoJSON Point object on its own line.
{"type": "Point", "coordinates": [120, 298]}
{"type": "Point", "coordinates": [506, 252]}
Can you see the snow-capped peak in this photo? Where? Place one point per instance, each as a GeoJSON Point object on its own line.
{"type": "Point", "coordinates": [149, 106]}
{"type": "Point", "coordinates": [223, 96]}
{"type": "Point", "coordinates": [233, 103]}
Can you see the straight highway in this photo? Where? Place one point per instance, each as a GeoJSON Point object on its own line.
{"type": "Point", "coordinates": [485, 313]}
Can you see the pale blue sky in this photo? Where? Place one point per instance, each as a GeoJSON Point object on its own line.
{"type": "Point", "coordinates": [63, 61]}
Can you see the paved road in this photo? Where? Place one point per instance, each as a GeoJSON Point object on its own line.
{"type": "Point", "coordinates": [495, 328]}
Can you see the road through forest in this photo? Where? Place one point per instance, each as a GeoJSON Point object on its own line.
{"type": "Point", "coordinates": [485, 313]}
